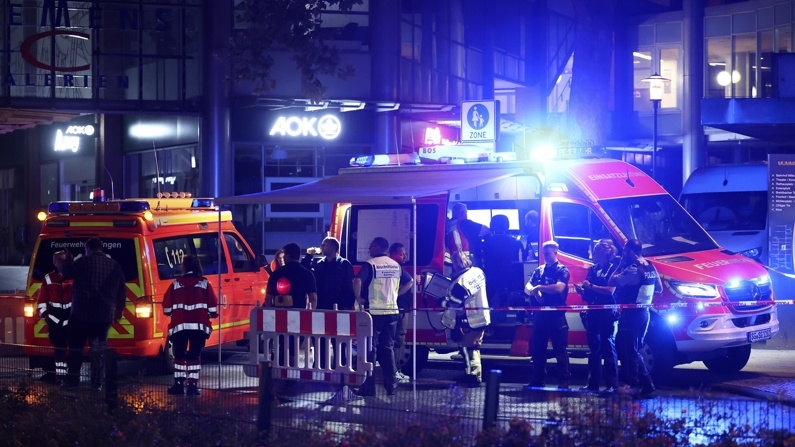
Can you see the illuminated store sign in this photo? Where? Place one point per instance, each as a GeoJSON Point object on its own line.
{"type": "Point", "coordinates": [327, 127]}
{"type": "Point", "coordinates": [69, 139]}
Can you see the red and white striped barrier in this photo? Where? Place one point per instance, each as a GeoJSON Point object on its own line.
{"type": "Point", "coordinates": [291, 339]}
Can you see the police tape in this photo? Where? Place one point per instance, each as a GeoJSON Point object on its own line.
{"type": "Point", "coordinates": [657, 306]}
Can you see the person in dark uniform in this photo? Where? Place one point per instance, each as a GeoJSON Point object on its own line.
{"type": "Point", "coordinates": [636, 281]}
{"type": "Point", "coordinates": [600, 324]}
{"type": "Point", "coordinates": [549, 286]}
{"type": "Point", "coordinates": [292, 285]}
{"type": "Point", "coordinates": [333, 276]}
{"type": "Point", "coordinates": [533, 230]}
{"type": "Point", "coordinates": [502, 255]}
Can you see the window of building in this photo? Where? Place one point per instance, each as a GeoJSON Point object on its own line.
{"type": "Point", "coordinates": [641, 61]}
{"type": "Point", "coordinates": [719, 64]}
{"type": "Point", "coordinates": [670, 69]}
{"type": "Point", "coordinates": [162, 170]}
{"type": "Point", "coordinates": [742, 76]}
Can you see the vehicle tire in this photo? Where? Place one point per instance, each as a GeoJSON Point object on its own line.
{"type": "Point", "coordinates": [732, 361]}
{"type": "Point", "coordinates": [405, 360]}
{"type": "Point", "coordinates": [163, 363]}
{"type": "Point", "coordinates": [659, 351]}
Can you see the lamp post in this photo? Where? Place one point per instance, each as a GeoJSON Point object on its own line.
{"type": "Point", "coordinates": [656, 87]}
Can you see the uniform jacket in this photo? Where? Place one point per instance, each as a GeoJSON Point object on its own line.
{"type": "Point", "coordinates": [190, 302]}
{"type": "Point", "coordinates": [55, 299]}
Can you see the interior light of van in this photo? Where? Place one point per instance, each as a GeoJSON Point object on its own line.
{"type": "Point", "coordinates": [695, 289]}
{"type": "Point", "coordinates": [41, 216]}
{"type": "Point", "coordinates": [143, 310]}
{"type": "Point", "coordinates": [29, 310]}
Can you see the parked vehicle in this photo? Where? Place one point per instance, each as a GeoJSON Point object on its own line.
{"type": "Point", "coordinates": [149, 238]}
{"type": "Point", "coordinates": [730, 202]}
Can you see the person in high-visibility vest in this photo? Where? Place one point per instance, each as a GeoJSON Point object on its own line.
{"type": "Point", "coordinates": [190, 301]}
{"type": "Point", "coordinates": [54, 303]}
{"type": "Point", "coordinates": [462, 234]}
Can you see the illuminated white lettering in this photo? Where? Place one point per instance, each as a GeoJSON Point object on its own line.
{"type": "Point", "coordinates": [327, 127]}
{"type": "Point", "coordinates": [66, 142]}
{"type": "Point", "coordinates": [80, 130]}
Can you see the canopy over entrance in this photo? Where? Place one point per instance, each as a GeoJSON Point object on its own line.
{"type": "Point", "coordinates": [377, 186]}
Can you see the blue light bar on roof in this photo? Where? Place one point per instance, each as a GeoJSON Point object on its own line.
{"type": "Point", "coordinates": [58, 207]}
{"type": "Point", "coordinates": [134, 207]}
{"type": "Point", "coordinates": [202, 203]}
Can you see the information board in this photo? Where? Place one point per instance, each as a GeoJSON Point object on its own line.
{"type": "Point", "coordinates": [394, 224]}
{"type": "Point", "coordinates": [781, 206]}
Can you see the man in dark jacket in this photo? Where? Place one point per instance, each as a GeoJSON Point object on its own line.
{"type": "Point", "coordinates": [333, 275]}
{"type": "Point", "coordinates": [98, 299]}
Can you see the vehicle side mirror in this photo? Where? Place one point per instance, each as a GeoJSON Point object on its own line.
{"type": "Point", "coordinates": [262, 261]}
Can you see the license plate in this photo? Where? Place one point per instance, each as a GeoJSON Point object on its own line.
{"type": "Point", "coordinates": [754, 336]}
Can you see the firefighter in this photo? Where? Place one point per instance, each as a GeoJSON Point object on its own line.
{"type": "Point", "coordinates": [466, 296]}
{"type": "Point", "coordinates": [190, 302]}
{"type": "Point", "coordinates": [549, 286]}
{"type": "Point", "coordinates": [54, 303]}
{"type": "Point", "coordinates": [636, 281]}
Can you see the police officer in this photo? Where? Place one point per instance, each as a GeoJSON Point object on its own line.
{"type": "Point", "coordinates": [467, 296]}
{"type": "Point", "coordinates": [600, 324]}
{"type": "Point", "coordinates": [636, 281]}
{"type": "Point", "coordinates": [549, 286]}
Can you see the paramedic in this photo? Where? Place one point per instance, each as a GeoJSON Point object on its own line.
{"type": "Point", "coordinates": [636, 281]}
{"type": "Point", "coordinates": [98, 299]}
{"type": "Point", "coordinates": [549, 286]}
{"type": "Point", "coordinates": [600, 324]}
{"type": "Point", "coordinates": [467, 296]}
{"type": "Point", "coordinates": [54, 303]}
{"type": "Point", "coordinates": [190, 301]}
{"type": "Point", "coordinates": [376, 288]}
{"type": "Point", "coordinates": [464, 235]}
{"type": "Point", "coordinates": [399, 254]}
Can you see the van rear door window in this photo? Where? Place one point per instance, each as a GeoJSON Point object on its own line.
{"type": "Point", "coordinates": [122, 250]}
{"type": "Point", "coordinates": [392, 222]}
{"type": "Point", "coordinates": [170, 251]}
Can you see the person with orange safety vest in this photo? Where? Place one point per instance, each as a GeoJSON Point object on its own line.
{"type": "Point", "coordinates": [462, 234]}
{"type": "Point", "coordinates": [54, 303]}
{"type": "Point", "coordinates": [190, 301]}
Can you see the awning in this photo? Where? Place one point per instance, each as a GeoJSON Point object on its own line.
{"type": "Point", "coordinates": [379, 185]}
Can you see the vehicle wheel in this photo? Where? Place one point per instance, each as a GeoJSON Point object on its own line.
{"type": "Point", "coordinates": [163, 363]}
{"type": "Point", "coordinates": [405, 360]}
{"type": "Point", "coordinates": [659, 351]}
{"type": "Point", "coordinates": [734, 360]}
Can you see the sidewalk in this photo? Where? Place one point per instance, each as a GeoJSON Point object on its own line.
{"type": "Point", "coordinates": [771, 375]}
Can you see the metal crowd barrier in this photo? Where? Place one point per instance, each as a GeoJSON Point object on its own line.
{"type": "Point", "coordinates": [311, 345]}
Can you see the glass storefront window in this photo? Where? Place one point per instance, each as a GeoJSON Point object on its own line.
{"type": "Point", "coordinates": [669, 68]}
{"type": "Point", "coordinates": [784, 39]}
{"type": "Point", "coordinates": [765, 69]}
{"type": "Point", "coordinates": [175, 170]}
{"type": "Point", "coordinates": [641, 61]}
{"type": "Point", "coordinates": [742, 77]}
{"type": "Point", "coordinates": [719, 63]}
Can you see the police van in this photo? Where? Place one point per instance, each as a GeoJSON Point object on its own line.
{"type": "Point", "coordinates": [149, 238]}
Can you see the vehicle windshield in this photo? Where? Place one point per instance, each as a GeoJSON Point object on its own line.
{"type": "Point", "coordinates": [661, 224]}
{"type": "Point", "coordinates": [728, 211]}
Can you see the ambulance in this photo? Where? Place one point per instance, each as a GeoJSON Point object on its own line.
{"type": "Point", "coordinates": [149, 238]}
{"type": "Point", "coordinates": [715, 303]}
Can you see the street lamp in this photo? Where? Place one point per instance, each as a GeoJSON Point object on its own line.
{"type": "Point", "coordinates": [656, 87]}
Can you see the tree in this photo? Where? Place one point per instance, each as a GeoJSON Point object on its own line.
{"type": "Point", "coordinates": [287, 25]}
{"type": "Point", "coordinates": [593, 61]}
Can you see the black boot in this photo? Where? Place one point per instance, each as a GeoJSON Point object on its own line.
{"type": "Point", "coordinates": [177, 388]}
{"type": "Point", "coordinates": [193, 390]}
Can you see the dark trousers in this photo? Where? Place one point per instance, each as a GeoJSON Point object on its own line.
{"type": "Point", "coordinates": [187, 347]}
{"type": "Point", "coordinates": [600, 326]}
{"type": "Point", "coordinates": [59, 338]}
{"type": "Point", "coordinates": [400, 332]}
{"type": "Point", "coordinates": [550, 326]}
{"type": "Point", "coordinates": [632, 326]}
{"type": "Point", "coordinates": [384, 327]}
{"type": "Point", "coordinates": [97, 336]}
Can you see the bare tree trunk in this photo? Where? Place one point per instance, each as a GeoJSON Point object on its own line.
{"type": "Point", "coordinates": [591, 71]}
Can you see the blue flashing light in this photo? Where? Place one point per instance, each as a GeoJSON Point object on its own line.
{"type": "Point", "coordinates": [672, 318]}
{"type": "Point", "coordinates": [58, 207]}
{"type": "Point", "coordinates": [202, 203]}
{"type": "Point", "coordinates": [733, 284]}
{"type": "Point", "coordinates": [133, 207]}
